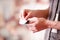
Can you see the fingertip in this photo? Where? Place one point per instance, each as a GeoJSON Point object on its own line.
{"type": "Point", "coordinates": [28, 16]}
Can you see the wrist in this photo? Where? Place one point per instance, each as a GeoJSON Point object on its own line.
{"type": "Point", "coordinates": [50, 24]}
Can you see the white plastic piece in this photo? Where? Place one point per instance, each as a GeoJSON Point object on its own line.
{"type": "Point", "coordinates": [22, 21]}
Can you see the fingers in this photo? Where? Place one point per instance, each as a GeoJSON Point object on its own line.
{"type": "Point", "coordinates": [31, 27]}
{"type": "Point", "coordinates": [33, 20]}
{"type": "Point", "coordinates": [39, 23]}
{"type": "Point", "coordinates": [28, 15]}
{"type": "Point", "coordinates": [25, 12]}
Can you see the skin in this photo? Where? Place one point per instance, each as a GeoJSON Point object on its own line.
{"type": "Point", "coordinates": [53, 24]}
{"type": "Point", "coordinates": [42, 23]}
{"type": "Point", "coordinates": [36, 13]}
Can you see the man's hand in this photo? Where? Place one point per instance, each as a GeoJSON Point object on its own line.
{"type": "Point", "coordinates": [36, 13]}
{"type": "Point", "coordinates": [38, 23]}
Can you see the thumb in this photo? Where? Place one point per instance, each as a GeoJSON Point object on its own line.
{"type": "Point", "coordinates": [29, 15]}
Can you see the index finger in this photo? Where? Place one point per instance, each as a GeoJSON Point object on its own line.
{"type": "Point", "coordinates": [28, 16]}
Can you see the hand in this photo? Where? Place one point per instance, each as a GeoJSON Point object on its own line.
{"type": "Point", "coordinates": [36, 13]}
{"type": "Point", "coordinates": [38, 23]}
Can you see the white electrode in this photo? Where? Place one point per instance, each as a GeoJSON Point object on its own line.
{"type": "Point", "coordinates": [22, 21]}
